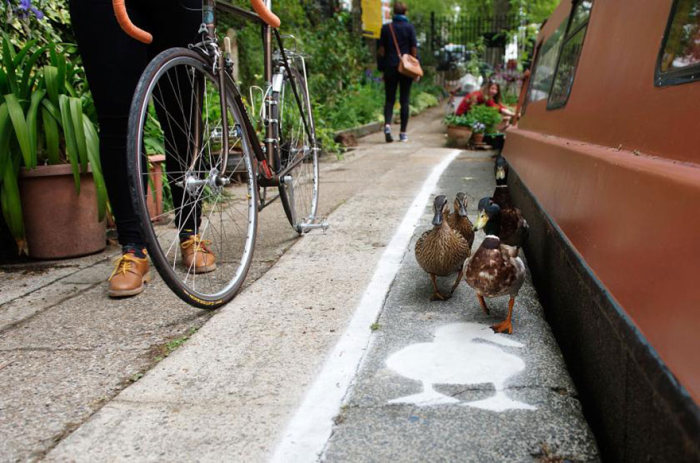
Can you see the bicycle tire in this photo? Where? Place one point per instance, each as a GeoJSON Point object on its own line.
{"type": "Point", "coordinates": [297, 145]}
{"type": "Point", "coordinates": [201, 200]}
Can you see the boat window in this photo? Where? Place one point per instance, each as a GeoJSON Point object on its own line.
{"type": "Point", "coordinates": [679, 59]}
{"type": "Point", "coordinates": [570, 52]}
{"type": "Point", "coordinates": [541, 80]}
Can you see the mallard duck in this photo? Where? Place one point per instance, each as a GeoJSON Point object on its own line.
{"type": "Point", "coordinates": [459, 221]}
{"type": "Point", "coordinates": [514, 227]}
{"type": "Point", "coordinates": [442, 251]}
{"type": "Point", "coordinates": [495, 268]}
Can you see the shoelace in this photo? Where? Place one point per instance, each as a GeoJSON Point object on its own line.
{"type": "Point", "coordinates": [123, 264]}
{"type": "Point", "coordinates": [198, 244]}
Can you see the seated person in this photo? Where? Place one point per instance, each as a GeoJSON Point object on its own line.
{"type": "Point", "coordinates": [489, 95]}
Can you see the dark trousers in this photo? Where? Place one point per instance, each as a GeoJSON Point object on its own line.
{"type": "Point", "coordinates": [392, 80]}
{"type": "Point", "coordinates": [113, 64]}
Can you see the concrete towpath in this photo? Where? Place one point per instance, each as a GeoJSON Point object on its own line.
{"type": "Point", "coordinates": [313, 359]}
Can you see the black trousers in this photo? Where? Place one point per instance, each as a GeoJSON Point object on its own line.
{"type": "Point", "coordinates": [392, 80]}
{"type": "Point", "coordinates": [113, 64]}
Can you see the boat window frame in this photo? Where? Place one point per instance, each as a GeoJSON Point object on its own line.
{"type": "Point", "coordinates": [533, 68]}
{"type": "Point", "coordinates": [684, 75]}
{"type": "Point", "coordinates": [568, 35]}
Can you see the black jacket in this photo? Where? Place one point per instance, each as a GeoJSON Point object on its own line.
{"type": "Point", "coordinates": [406, 38]}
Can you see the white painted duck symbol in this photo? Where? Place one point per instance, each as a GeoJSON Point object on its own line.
{"type": "Point", "coordinates": [454, 357]}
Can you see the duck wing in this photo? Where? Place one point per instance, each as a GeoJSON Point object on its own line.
{"type": "Point", "coordinates": [490, 271]}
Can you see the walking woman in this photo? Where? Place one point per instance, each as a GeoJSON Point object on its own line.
{"type": "Point", "coordinates": [402, 35]}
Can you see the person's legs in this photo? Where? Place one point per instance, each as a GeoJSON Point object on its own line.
{"type": "Point", "coordinates": [391, 82]}
{"type": "Point", "coordinates": [176, 25]}
{"type": "Point", "coordinates": [113, 64]}
{"type": "Point", "coordinates": [404, 98]}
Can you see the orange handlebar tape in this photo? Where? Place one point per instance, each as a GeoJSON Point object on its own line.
{"type": "Point", "coordinates": [264, 12]}
{"type": "Point", "coordinates": [126, 24]}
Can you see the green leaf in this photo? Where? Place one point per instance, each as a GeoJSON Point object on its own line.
{"type": "Point", "coordinates": [55, 112]}
{"type": "Point", "coordinates": [32, 125]}
{"type": "Point", "coordinates": [51, 81]}
{"type": "Point", "coordinates": [20, 125]}
{"type": "Point", "coordinates": [59, 61]}
{"type": "Point", "coordinates": [17, 59]}
{"type": "Point", "coordinates": [93, 152]}
{"type": "Point", "coordinates": [76, 110]}
{"type": "Point", "coordinates": [12, 205]}
{"type": "Point", "coordinates": [8, 53]}
{"type": "Point", "coordinates": [52, 136]}
{"type": "Point", "coordinates": [28, 77]}
{"type": "Point", "coordinates": [69, 135]}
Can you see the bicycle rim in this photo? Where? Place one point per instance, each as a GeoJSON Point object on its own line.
{"type": "Point", "coordinates": [297, 155]}
{"type": "Point", "coordinates": [177, 108]}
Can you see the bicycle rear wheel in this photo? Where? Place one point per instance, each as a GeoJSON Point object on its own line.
{"type": "Point", "coordinates": [297, 156]}
{"type": "Point", "coordinates": [177, 110]}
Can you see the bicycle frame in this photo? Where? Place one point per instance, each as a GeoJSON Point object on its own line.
{"type": "Point", "coordinates": [271, 142]}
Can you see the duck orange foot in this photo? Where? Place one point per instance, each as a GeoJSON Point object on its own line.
{"type": "Point", "coordinates": [504, 327]}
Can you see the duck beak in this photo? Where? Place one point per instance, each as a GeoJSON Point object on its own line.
{"type": "Point", "coordinates": [500, 173]}
{"type": "Point", "coordinates": [462, 209]}
{"type": "Point", "coordinates": [437, 219]}
{"type": "Point", "coordinates": [481, 220]}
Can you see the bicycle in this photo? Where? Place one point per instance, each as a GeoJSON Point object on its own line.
{"type": "Point", "coordinates": [217, 170]}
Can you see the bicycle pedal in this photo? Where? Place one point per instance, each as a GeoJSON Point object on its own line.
{"type": "Point", "coordinates": [307, 227]}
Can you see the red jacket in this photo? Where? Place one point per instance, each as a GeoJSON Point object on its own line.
{"type": "Point", "coordinates": [466, 103]}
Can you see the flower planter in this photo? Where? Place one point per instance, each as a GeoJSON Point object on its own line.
{"type": "Point", "coordinates": [154, 196]}
{"type": "Point", "coordinates": [458, 135]}
{"type": "Point", "coordinates": [60, 223]}
{"type": "Point", "coordinates": [477, 139]}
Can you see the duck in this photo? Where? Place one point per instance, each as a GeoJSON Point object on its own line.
{"type": "Point", "coordinates": [460, 354]}
{"type": "Point", "coordinates": [442, 251]}
{"type": "Point", "coordinates": [495, 269]}
{"type": "Point", "coordinates": [514, 227]}
{"type": "Point", "coordinates": [459, 221]}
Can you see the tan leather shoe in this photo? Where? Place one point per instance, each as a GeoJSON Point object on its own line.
{"type": "Point", "coordinates": [129, 275]}
{"type": "Point", "coordinates": [197, 256]}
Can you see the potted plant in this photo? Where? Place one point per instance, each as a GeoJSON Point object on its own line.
{"type": "Point", "coordinates": [458, 128]}
{"type": "Point", "coordinates": [52, 193]}
{"type": "Point", "coordinates": [484, 120]}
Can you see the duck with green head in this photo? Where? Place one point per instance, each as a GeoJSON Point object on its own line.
{"type": "Point", "coordinates": [514, 228]}
{"type": "Point", "coordinates": [442, 251]}
{"type": "Point", "coordinates": [495, 268]}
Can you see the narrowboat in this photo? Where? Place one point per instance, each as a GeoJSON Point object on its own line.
{"type": "Point", "coordinates": [605, 164]}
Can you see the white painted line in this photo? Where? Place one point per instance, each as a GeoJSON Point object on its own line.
{"type": "Point", "coordinates": [307, 433]}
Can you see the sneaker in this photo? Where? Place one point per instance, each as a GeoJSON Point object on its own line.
{"type": "Point", "coordinates": [129, 275]}
{"type": "Point", "coordinates": [196, 255]}
{"type": "Point", "coordinates": [387, 134]}
{"type": "Point", "coordinates": [403, 137]}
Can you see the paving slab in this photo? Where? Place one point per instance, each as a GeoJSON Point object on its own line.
{"type": "Point", "coordinates": [438, 385]}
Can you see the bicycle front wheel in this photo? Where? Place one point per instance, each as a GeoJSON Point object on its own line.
{"type": "Point", "coordinates": [206, 193]}
{"type": "Point", "coordinates": [296, 159]}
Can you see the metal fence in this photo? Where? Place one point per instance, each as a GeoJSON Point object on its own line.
{"type": "Point", "coordinates": [463, 30]}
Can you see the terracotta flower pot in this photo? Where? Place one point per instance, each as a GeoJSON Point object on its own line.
{"type": "Point", "coordinates": [59, 222]}
{"type": "Point", "coordinates": [458, 135]}
{"type": "Point", "coordinates": [477, 138]}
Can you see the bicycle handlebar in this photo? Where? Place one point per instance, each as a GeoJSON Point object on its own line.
{"type": "Point", "coordinates": [126, 24]}
{"type": "Point", "coordinates": [264, 12]}
{"type": "Point", "coordinates": [139, 34]}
